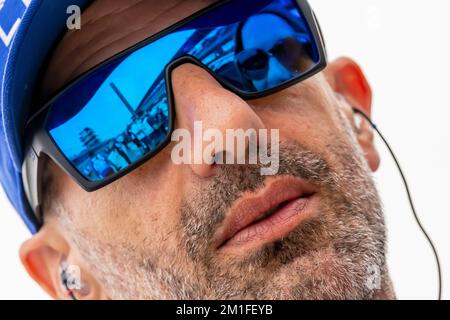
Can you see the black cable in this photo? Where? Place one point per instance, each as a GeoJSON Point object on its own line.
{"type": "Point", "coordinates": [71, 295]}
{"type": "Point", "coordinates": [411, 202]}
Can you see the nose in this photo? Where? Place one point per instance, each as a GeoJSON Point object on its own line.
{"type": "Point", "coordinates": [198, 96]}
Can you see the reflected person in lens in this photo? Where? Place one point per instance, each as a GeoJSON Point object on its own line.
{"type": "Point", "coordinates": [274, 60]}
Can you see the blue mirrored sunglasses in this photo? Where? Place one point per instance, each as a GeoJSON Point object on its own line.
{"type": "Point", "coordinates": [121, 113]}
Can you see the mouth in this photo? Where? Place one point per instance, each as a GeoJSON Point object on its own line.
{"type": "Point", "coordinates": [266, 216]}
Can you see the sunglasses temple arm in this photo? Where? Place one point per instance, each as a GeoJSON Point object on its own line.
{"type": "Point", "coordinates": [31, 178]}
{"type": "Point", "coordinates": [319, 29]}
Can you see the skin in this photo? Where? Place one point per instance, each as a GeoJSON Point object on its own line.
{"type": "Point", "coordinates": [148, 235]}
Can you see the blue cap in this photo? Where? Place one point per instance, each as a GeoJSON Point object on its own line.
{"type": "Point", "coordinates": [29, 30]}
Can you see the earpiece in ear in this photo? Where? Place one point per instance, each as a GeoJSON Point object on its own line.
{"type": "Point", "coordinates": [357, 116]}
{"type": "Point", "coordinates": [358, 119]}
{"type": "Point", "coordinates": [67, 280]}
{"type": "Point", "coordinates": [71, 280]}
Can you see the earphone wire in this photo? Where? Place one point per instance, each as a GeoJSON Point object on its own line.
{"type": "Point", "coordinates": [70, 293]}
{"type": "Point", "coordinates": [411, 202]}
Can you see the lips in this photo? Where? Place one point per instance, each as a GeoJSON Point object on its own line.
{"type": "Point", "coordinates": [266, 215]}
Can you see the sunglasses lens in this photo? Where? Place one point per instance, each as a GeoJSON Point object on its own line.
{"type": "Point", "coordinates": [295, 53]}
{"type": "Point", "coordinates": [113, 119]}
{"type": "Point", "coordinates": [253, 64]}
{"type": "Point", "coordinates": [263, 44]}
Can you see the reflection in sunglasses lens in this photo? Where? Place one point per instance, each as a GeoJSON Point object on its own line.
{"type": "Point", "coordinates": [120, 114]}
{"type": "Point", "coordinates": [253, 64]}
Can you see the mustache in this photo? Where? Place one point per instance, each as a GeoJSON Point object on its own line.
{"type": "Point", "coordinates": [206, 208]}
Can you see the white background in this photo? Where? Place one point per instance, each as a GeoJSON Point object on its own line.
{"type": "Point", "coordinates": [403, 47]}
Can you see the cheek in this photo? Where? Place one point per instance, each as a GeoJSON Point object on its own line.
{"type": "Point", "coordinates": [157, 190]}
{"type": "Point", "coordinates": [141, 205]}
{"type": "Point", "coordinates": [305, 113]}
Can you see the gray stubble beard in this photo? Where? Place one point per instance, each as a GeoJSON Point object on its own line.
{"type": "Point", "coordinates": [328, 257]}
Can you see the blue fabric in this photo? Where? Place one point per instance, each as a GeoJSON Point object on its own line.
{"type": "Point", "coordinates": [28, 31]}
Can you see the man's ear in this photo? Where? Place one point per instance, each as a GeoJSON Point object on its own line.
{"type": "Point", "coordinates": [43, 257]}
{"type": "Point", "coordinates": [348, 81]}
{"type": "Point", "coordinates": [346, 78]}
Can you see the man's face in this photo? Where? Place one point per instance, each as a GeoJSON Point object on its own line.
{"type": "Point", "coordinates": [158, 232]}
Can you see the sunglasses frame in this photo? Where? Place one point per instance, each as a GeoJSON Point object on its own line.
{"type": "Point", "coordinates": [39, 142]}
